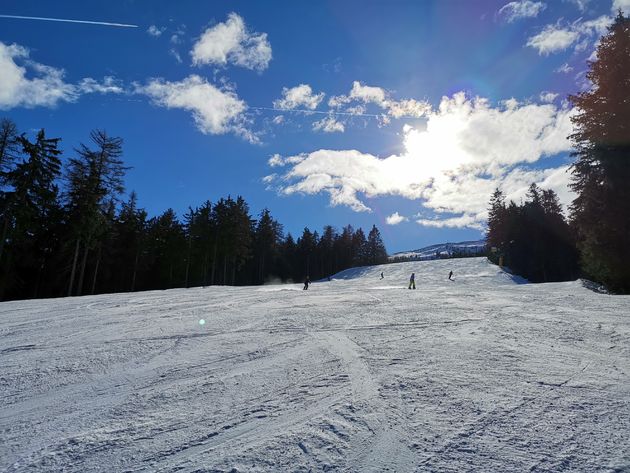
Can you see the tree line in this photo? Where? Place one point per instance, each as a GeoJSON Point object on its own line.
{"type": "Point", "coordinates": [66, 230]}
{"type": "Point", "coordinates": [534, 238]}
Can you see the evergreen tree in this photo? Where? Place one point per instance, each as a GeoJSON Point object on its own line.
{"type": "Point", "coordinates": [204, 239]}
{"type": "Point", "coordinates": [601, 211]}
{"type": "Point", "coordinates": [9, 147]}
{"type": "Point", "coordinates": [95, 177]}
{"type": "Point", "coordinates": [343, 247]}
{"type": "Point", "coordinates": [359, 248]}
{"type": "Point", "coordinates": [130, 236]}
{"type": "Point", "coordinates": [326, 251]}
{"type": "Point", "coordinates": [288, 252]}
{"type": "Point", "coordinates": [267, 240]}
{"type": "Point", "coordinates": [30, 211]}
{"type": "Point", "coordinates": [534, 238]}
{"type": "Point", "coordinates": [496, 235]}
{"type": "Point", "coordinates": [305, 251]}
{"type": "Point", "coordinates": [376, 252]}
{"type": "Point", "coordinates": [166, 243]}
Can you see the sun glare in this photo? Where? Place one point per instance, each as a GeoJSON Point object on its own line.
{"type": "Point", "coordinates": [437, 149]}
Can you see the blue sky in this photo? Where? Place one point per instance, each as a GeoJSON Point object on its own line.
{"type": "Point", "coordinates": [401, 114]}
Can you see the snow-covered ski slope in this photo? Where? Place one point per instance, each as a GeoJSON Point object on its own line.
{"type": "Point", "coordinates": [357, 374]}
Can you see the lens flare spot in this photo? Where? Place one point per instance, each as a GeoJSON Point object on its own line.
{"type": "Point", "coordinates": [202, 322]}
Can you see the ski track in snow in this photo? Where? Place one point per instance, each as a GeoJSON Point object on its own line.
{"type": "Point", "coordinates": [484, 373]}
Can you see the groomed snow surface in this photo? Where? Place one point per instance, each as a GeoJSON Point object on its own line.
{"type": "Point", "coordinates": [483, 373]}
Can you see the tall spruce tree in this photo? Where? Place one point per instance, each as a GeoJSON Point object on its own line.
{"type": "Point", "coordinates": [9, 147]}
{"type": "Point", "coordinates": [601, 211]}
{"type": "Point", "coordinates": [496, 235]}
{"type": "Point", "coordinates": [94, 177]}
{"type": "Point", "coordinates": [376, 252]}
{"type": "Point", "coordinates": [130, 237]}
{"type": "Point", "coordinates": [267, 240]}
{"type": "Point", "coordinates": [326, 251]}
{"type": "Point", "coordinates": [359, 248]}
{"type": "Point", "coordinates": [166, 249]}
{"type": "Point", "coordinates": [30, 210]}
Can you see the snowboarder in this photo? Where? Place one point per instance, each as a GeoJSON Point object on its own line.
{"type": "Point", "coordinates": [412, 281]}
{"type": "Point", "coordinates": [450, 275]}
{"type": "Point", "coordinates": [382, 275]}
{"type": "Point", "coordinates": [307, 281]}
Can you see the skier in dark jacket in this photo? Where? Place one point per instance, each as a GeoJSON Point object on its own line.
{"type": "Point", "coordinates": [307, 281]}
{"type": "Point", "coordinates": [450, 275]}
{"type": "Point", "coordinates": [382, 276]}
{"type": "Point", "coordinates": [412, 281]}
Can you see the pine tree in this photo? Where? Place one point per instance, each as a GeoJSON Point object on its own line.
{"type": "Point", "coordinates": [326, 251]}
{"type": "Point", "coordinates": [359, 248]}
{"type": "Point", "coordinates": [343, 247]}
{"type": "Point", "coordinates": [130, 237]}
{"type": "Point", "coordinates": [534, 238]}
{"type": "Point", "coordinates": [601, 212]}
{"type": "Point", "coordinates": [94, 177]}
{"type": "Point", "coordinates": [288, 251]}
{"type": "Point", "coordinates": [267, 239]}
{"type": "Point", "coordinates": [496, 233]}
{"type": "Point", "coordinates": [306, 246]}
{"type": "Point", "coordinates": [166, 243]}
{"type": "Point", "coordinates": [9, 147]}
{"type": "Point", "coordinates": [376, 252]}
{"type": "Point", "coordinates": [30, 208]}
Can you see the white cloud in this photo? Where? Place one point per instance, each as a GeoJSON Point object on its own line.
{"type": "Point", "coordinates": [231, 42]}
{"type": "Point", "coordinates": [215, 111]}
{"type": "Point", "coordinates": [173, 52]}
{"type": "Point", "coordinates": [581, 4]}
{"type": "Point", "coordinates": [275, 160]}
{"type": "Point", "coordinates": [548, 97]}
{"type": "Point", "coordinates": [552, 39]}
{"type": "Point", "coordinates": [301, 96]}
{"type": "Point", "coordinates": [108, 86]}
{"type": "Point", "coordinates": [624, 5]}
{"type": "Point", "coordinates": [565, 68]}
{"type": "Point", "coordinates": [365, 94]}
{"type": "Point", "coordinates": [269, 179]}
{"type": "Point", "coordinates": [155, 31]}
{"type": "Point", "coordinates": [521, 9]}
{"type": "Point", "coordinates": [26, 83]}
{"type": "Point", "coordinates": [395, 219]}
{"type": "Point", "coordinates": [176, 37]}
{"type": "Point", "coordinates": [46, 89]}
{"type": "Point", "coordinates": [596, 27]}
{"type": "Point", "coordinates": [463, 221]}
{"type": "Point", "coordinates": [467, 149]}
{"type": "Point", "coordinates": [407, 108]}
{"type": "Point", "coordinates": [556, 38]}
{"type": "Point", "coordinates": [329, 125]}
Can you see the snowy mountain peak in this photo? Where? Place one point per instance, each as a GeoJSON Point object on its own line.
{"type": "Point", "coordinates": [442, 250]}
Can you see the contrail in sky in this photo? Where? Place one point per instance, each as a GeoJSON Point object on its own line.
{"type": "Point", "coordinates": [65, 20]}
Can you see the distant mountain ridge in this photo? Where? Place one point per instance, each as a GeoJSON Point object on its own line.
{"type": "Point", "coordinates": [442, 250]}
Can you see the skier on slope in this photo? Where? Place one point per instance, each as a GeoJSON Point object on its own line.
{"type": "Point", "coordinates": [412, 281]}
{"type": "Point", "coordinates": [382, 275]}
{"type": "Point", "coordinates": [450, 275]}
{"type": "Point", "coordinates": [307, 281]}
